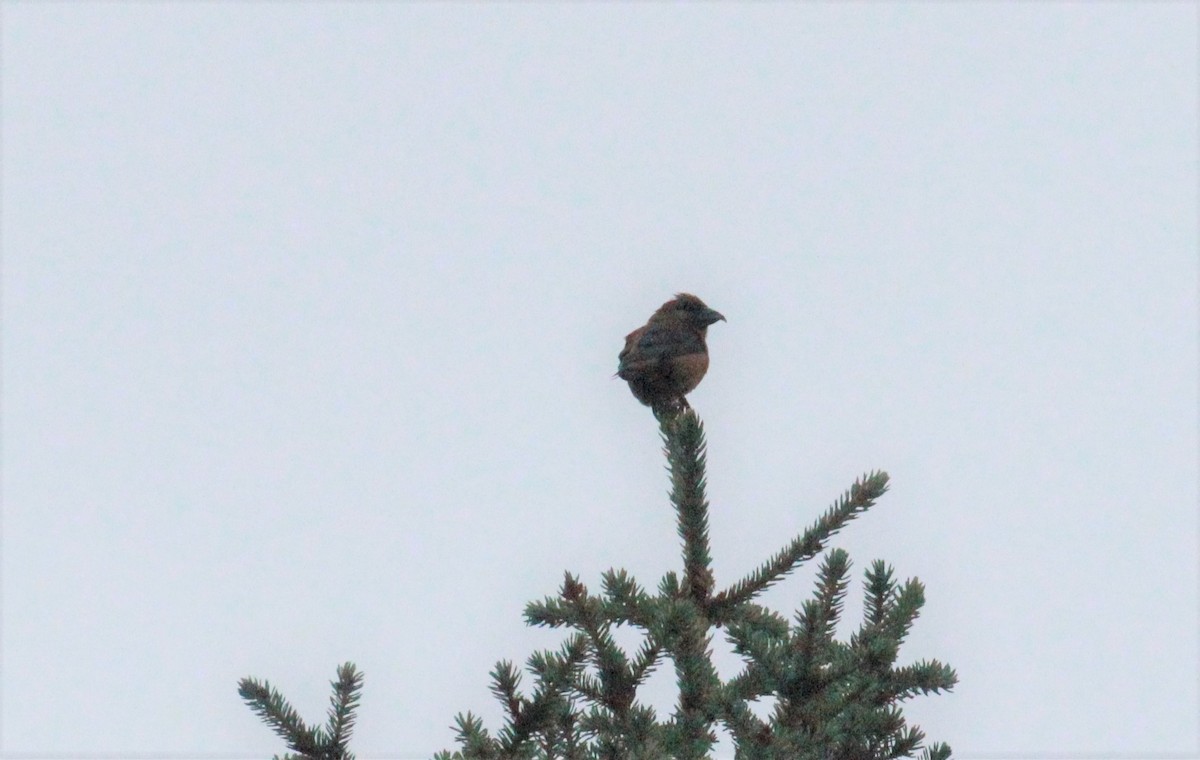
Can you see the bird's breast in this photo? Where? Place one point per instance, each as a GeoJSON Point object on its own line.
{"type": "Point", "coordinates": [687, 371]}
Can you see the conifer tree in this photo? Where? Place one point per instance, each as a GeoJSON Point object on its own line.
{"type": "Point", "coordinates": [833, 700]}
{"type": "Point", "coordinates": [330, 742]}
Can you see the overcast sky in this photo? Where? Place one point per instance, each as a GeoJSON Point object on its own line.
{"type": "Point", "coordinates": [311, 311]}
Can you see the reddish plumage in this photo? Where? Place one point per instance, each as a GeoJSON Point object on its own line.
{"type": "Point", "coordinates": [666, 358]}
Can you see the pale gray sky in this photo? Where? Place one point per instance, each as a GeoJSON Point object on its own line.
{"type": "Point", "coordinates": [310, 313]}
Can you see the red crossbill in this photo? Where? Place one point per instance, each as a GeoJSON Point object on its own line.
{"type": "Point", "coordinates": [666, 358]}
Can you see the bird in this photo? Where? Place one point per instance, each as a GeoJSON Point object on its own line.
{"type": "Point", "coordinates": [666, 358]}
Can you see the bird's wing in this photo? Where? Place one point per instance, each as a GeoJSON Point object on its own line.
{"type": "Point", "coordinates": [648, 345]}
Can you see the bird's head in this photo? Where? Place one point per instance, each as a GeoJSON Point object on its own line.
{"type": "Point", "coordinates": [692, 310]}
